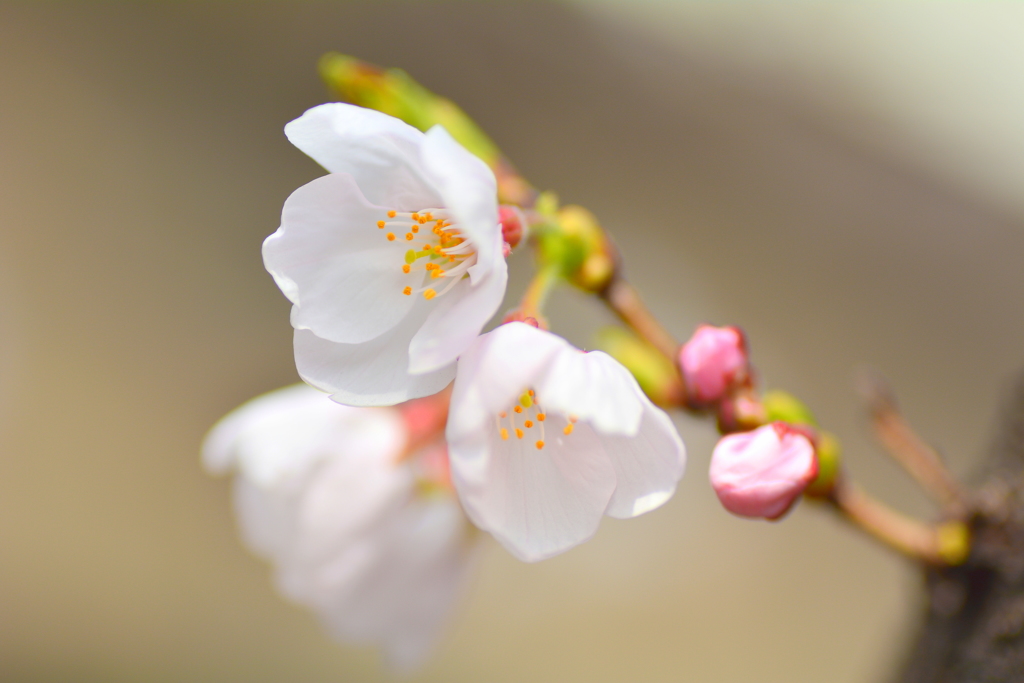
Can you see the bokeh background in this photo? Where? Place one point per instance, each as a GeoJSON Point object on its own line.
{"type": "Point", "coordinates": [842, 180]}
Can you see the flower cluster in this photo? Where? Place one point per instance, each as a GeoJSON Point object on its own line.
{"type": "Point", "coordinates": [394, 263]}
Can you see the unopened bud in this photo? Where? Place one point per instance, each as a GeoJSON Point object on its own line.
{"type": "Point", "coordinates": [741, 412]}
{"type": "Point", "coordinates": [516, 316]}
{"type": "Point", "coordinates": [512, 224]}
{"type": "Point", "coordinates": [763, 472]}
{"type": "Point", "coordinates": [424, 417]}
{"type": "Point", "coordinates": [714, 361]}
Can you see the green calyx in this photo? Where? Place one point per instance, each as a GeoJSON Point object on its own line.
{"type": "Point", "coordinates": [571, 239]}
{"type": "Point", "coordinates": [829, 452]}
{"type": "Point", "coordinates": [784, 407]}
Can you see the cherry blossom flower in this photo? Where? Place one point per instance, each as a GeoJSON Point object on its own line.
{"type": "Point", "coordinates": [762, 473]}
{"type": "Point", "coordinates": [393, 262]}
{"type": "Point", "coordinates": [545, 439]}
{"type": "Point", "coordinates": [371, 540]}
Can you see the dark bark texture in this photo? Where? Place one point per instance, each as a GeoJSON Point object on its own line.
{"type": "Point", "coordinates": [973, 631]}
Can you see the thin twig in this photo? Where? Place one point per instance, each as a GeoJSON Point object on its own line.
{"type": "Point", "coordinates": [918, 458]}
{"type": "Point", "coordinates": [626, 303]}
{"type": "Point", "coordinates": [907, 535]}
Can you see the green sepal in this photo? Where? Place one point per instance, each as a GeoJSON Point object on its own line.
{"type": "Point", "coordinates": [784, 407]}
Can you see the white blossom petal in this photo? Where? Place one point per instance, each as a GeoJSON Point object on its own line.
{"type": "Point", "coordinates": [469, 190]}
{"type": "Point", "coordinates": [537, 504]}
{"type": "Point", "coordinates": [647, 466]}
{"type": "Point", "coordinates": [332, 262]}
{"type": "Point", "coordinates": [456, 321]}
{"type": "Point", "coordinates": [367, 374]}
{"type": "Point", "coordinates": [596, 388]}
{"type": "Point", "coordinates": [382, 152]}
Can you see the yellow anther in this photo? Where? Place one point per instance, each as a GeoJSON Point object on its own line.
{"type": "Point", "coordinates": [380, 224]}
{"type": "Point", "coordinates": [503, 414]}
{"type": "Point", "coordinates": [504, 434]}
{"type": "Point", "coordinates": [528, 424]}
{"type": "Point", "coordinates": [406, 268]}
{"type": "Point", "coordinates": [518, 409]}
{"type": "Point", "coordinates": [428, 216]}
{"type": "Point", "coordinates": [437, 273]}
{"type": "Point", "coordinates": [391, 237]}
{"type": "Point", "coordinates": [415, 228]}
{"type": "Point", "coordinates": [421, 219]}
{"type": "Point", "coordinates": [530, 392]}
{"type": "Point", "coordinates": [432, 266]}
{"type": "Point", "coordinates": [567, 430]}
{"type": "Point", "coordinates": [391, 214]}
{"type": "Point", "coordinates": [541, 417]}
{"type": "Point", "coordinates": [408, 237]}
{"type": "Point", "coordinates": [407, 291]}
{"type": "Point", "coordinates": [519, 433]}
{"type": "Point", "coordinates": [526, 400]}
{"type": "Point", "coordinates": [540, 445]}
{"type": "Point", "coordinates": [429, 294]}
{"type": "Point", "coordinates": [415, 216]}
{"type": "Point", "coordinates": [573, 418]}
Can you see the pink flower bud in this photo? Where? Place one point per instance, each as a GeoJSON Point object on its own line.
{"type": "Point", "coordinates": [762, 473]}
{"type": "Point", "coordinates": [511, 219]}
{"type": "Point", "coordinates": [713, 361]}
{"type": "Point", "coordinates": [516, 316]}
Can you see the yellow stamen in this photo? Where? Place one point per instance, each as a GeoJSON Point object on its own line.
{"type": "Point", "coordinates": [530, 392]}
{"type": "Point", "coordinates": [428, 216]}
{"type": "Point", "coordinates": [415, 216]}
{"type": "Point", "coordinates": [519, 433]}
{"type": "Point", "coordinates": [503, 414]}
{"type": "Point", "coordinates": [391, 214]}
{"type": "Point", "coordinates": [540, 445]}
{"type": "Point", "coordinates": [518, 409]}
{"type": "Point", "coordinates": [421, 219]}
{"type": "Point", "coordinates": [407, 291]}
{"type": "Point", "coordinates": [528, 424]}
{"type": "Point", "coordinates": [573, 418]}
{"type": "Point", "coordinates": [429, 294]}
{"type": "Point", "coordinates": [541, 417]}
{"type": "Point", "coordinates": [408, 236]}
{"type": "Point", "coordinates": [415, 228]}
{"type": "Point", "coordinates": [432, 266]}
{"type": "Point", "coordinates": [380, 224]}
{"type": "Point", "coordinates": [504, 434]}
{"type": "Point", "coordinates": [437, 273]}
{"type": "Point", "coordinates": [567, 430]}
{"type": "Point", "coordinates": [391, 237]}
{"type": "Point", "coordinates": [406, 268]}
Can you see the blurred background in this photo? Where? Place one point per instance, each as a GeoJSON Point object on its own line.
{"type": "Point", "coordinates": [842, 180]}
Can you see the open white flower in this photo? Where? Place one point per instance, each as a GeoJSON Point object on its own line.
{"type": "Point", "coordinates": [393, 261]}
{"type": "Point", "coordinates": [545, 439]}
{"type": "Point", "coordinates": [371, 544]}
